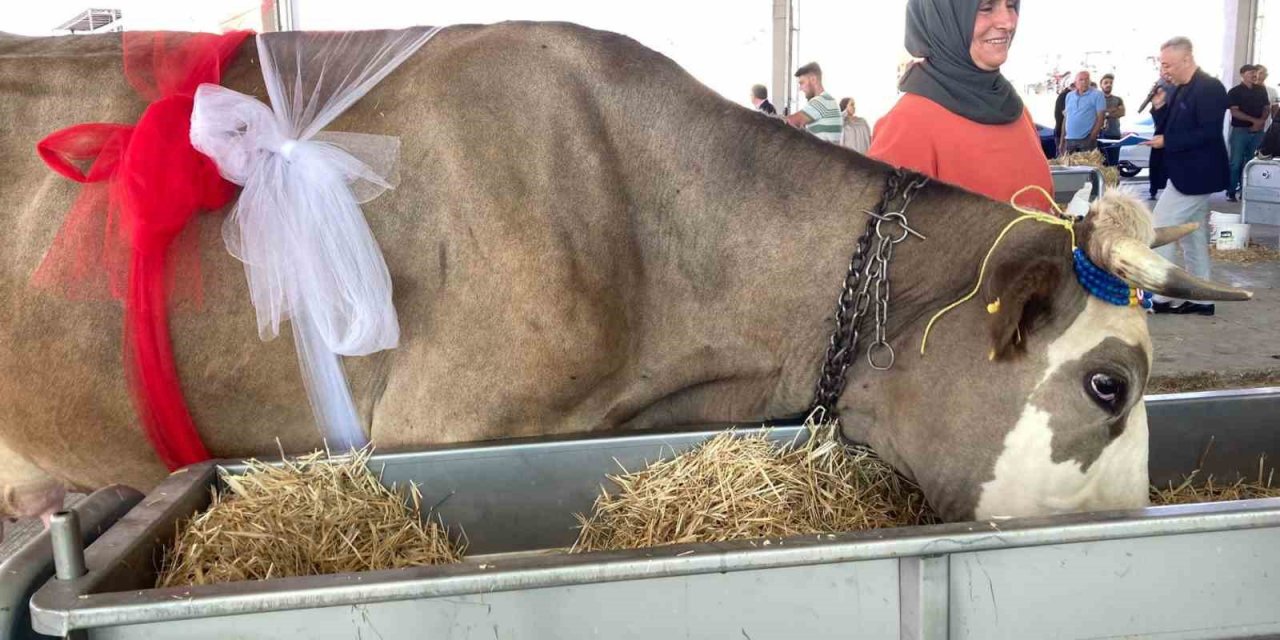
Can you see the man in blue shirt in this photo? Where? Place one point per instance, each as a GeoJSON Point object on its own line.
{"type": "Point", "coordinates": [1085, 110]}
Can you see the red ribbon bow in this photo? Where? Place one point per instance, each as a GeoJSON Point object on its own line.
{"type": "Point", "coordinates": [144, 184]}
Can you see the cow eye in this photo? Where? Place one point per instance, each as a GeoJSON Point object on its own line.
{"type": "Point", "coordinates": [1108, 391]}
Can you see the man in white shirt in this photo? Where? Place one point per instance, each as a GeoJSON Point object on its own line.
{"type": "Point", "coordinates": [821, 115]}
{"type": "Point", "coordinates": [1272, 94]}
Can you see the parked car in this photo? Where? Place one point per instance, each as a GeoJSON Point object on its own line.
{"type": "Point", "coordinates": [1047, 142]}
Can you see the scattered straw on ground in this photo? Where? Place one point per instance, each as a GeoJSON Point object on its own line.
{"type": "Point", "coordinates": [1252, 254]}
{"type": "Point", "coordinates": [1110, 175]}
{"type": "Point", "coordinates": [312, 516]}
{"type": "Point", "coordinates": [1214, 380]}
{"type": "Point", "coordinates": [739, 487]}
{"type": "Point", "coordinates": [1191, 491]}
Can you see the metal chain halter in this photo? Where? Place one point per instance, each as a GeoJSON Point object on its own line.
{"type": "Point", "coordinates": [866, 288]}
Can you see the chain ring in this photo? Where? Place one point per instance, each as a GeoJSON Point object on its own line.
{"type": "Point", "coordinates": [852, 307]}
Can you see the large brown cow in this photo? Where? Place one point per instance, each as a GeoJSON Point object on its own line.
{"type": "Point", "coordinates": [586, 238]}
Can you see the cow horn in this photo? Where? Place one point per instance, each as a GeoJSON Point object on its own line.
{"type": "Point", "coordinates": [1165, 235]}
{"type": "Point", "coordinates": [1135, 263]}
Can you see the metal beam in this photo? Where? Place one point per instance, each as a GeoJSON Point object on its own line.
{"type": "Point", "coordinates": [924, 586]}
{"type": "Point", "coordinates": [1241, 19]}
{"type": "Point", "coordinates": [783, 36]}
{"type": "Point", "coordinates": [280, 15]}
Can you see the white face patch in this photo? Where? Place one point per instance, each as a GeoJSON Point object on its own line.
{"type": "Point", "coordinates": [1028, 482]}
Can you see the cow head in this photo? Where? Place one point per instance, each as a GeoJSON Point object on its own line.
{"type": "Point", "coordinates": [1028, 400]}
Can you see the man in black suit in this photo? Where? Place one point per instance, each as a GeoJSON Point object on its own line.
{"type": "Point", "coordinates": [760, 98]}
{"type": "Point", "coordinates": [1195, 160]}
{"type": "Point", "coordinates": [1155, 165]}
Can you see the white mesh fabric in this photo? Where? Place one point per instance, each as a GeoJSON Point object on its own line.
{"type": "Point", "coordinates": [298, 228]}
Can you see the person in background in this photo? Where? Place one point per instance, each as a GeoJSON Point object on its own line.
{"type": "Point", "coordinates": [1085, 111]}
{"type": "Point", "coordinates": [1115, 111]}
{"type": "Point", "coordinates": [1250, 107]}
{"type": "Point", "coordinates": [959, 119]}
{"type": "Point", "coordinates": [821, 115]}
{"type": "Point", "coordinates": [1270, 147]}
{"type": "Point", "coordinates": [857, 133]}
{"type": "Point", "coordinates": [1273, 96]}
{"type": "Point", "coordinates": [760, 99]}
{"type": "Point", "coordinates": [1059, 117]}
{"type": "Point", "coordinates": [1195, 160]}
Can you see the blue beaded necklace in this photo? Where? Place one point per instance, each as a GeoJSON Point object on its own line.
{"type": "Point", "coordinates": [1094, 279]}
{"type": "Point", "coordinates": [1105, 286]}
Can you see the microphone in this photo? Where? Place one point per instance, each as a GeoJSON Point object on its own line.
{"type": "Point", "coordinates": [1150, 96]}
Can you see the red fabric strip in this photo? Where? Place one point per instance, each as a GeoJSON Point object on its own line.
{"type": "Point", "coordinates": [144, 185]}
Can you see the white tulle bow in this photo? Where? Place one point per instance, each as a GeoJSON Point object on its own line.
{"type": "Point", "coordinates": [308, 252]}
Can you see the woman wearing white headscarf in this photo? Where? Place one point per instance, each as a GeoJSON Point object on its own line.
{"type": "Point", "coordinates": [960, 120]}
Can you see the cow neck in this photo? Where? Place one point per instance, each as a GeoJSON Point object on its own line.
{"type": "Point", "coordinates": [866, 289]}
{"type": "Point", "coordinates": [927, 276]}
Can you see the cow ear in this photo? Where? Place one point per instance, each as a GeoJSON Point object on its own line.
{"type": "Point", "coordinates": [1019, 296]}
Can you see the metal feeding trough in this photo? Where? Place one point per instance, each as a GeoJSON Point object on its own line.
{"type": "Point", "coordinates": [1202, 571]}
{"type": "Point", "coordinates": [1068, 180]}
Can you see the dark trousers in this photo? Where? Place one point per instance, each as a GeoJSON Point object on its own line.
{"type": "Point", "coordinates": [1244, 145]}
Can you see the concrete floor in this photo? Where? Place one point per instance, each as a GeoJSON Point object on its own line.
{"type": "Point", "coordinates": [1242, 336]}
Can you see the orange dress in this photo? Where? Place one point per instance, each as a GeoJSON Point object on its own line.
{"type": "Point", "coordinates": [995, 160]}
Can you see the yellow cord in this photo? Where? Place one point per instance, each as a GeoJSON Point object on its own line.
{"type": "Point", "coordinates": [1059, 219]}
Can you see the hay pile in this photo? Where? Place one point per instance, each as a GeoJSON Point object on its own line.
{"type": "Point", "coordinates": [1110, 175]}
{"type": "Point", "coordinates": [1252, 254]}
{"type": "Point", "coordinates": [1191, 492]}
{"type": "Point", "coordinates": [322, 515]}
{"type": "Point", "coordinates": [312, 516]}
{"type": "Point", "coordinates": [732, 488]}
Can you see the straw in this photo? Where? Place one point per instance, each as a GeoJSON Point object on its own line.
{"type": "Point", "coordinates": [321, 514]}
{"type": "Point", "coordinates": [735, 487]}
{"type": "Point", "coordinates": [1110, 175]}
{"type": "Point", "coordinates": [1252, 254]}
{"type": "Point", "coordinates": [1190, 491]}
{"type": "Point", "coordinates": [314, 515]}
{"type": "Point", "coordinates": [1210, 380]}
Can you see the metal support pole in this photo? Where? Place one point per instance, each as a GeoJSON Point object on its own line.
{"type": "Point", "coordinates": [68, 547]}
{"type": "Point", "coordinates": [280, 15]}
{"type": "Point", "coordinates": [783, 25]}
{"type": "Point", "coordinates": [68, 554]}
{"type": "Point", "coordinates": [1240, 24]}
{"type": "Point", "coordinates": [924, 585]}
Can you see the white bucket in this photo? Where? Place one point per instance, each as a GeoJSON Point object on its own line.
{"type": "Point", "coordinates": [1217, 219]}
{"type": "Point", "coordinates": [1231, 236]}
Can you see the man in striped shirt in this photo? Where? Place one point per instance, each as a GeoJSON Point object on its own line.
{"type": "Point", "coordinates": [821, 115]}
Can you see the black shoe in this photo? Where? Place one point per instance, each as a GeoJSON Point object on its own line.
{"type": "Point", "coordinates": [1186, 308]}
{"type": "Point", "coordinates": [1231, 197]}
